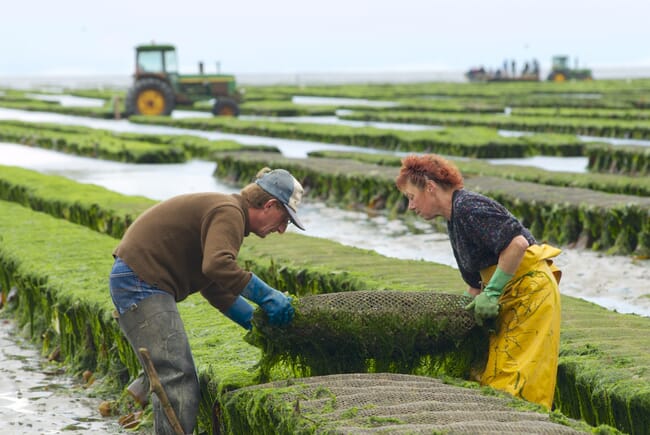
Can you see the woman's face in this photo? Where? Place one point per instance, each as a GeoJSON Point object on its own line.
{"type": "Point", "coordinates": [421, 201]}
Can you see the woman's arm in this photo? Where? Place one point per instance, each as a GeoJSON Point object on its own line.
{"type": "Point", "coordinates": [511, 256]}
{"type": "Point", "coordinates": [486, 304]}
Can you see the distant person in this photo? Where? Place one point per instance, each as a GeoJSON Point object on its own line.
{"type": "Point", "coordinates": [514, 68]}
{"type": "Point", "coordinates": [189, 244]}
{"type": "Point", "coordinates": [511, 277]}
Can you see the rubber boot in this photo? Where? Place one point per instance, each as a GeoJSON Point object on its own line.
{"type": "Point", "coordinates": [139, 390]}
{"type": "Point", "coordinates": [154, 323]}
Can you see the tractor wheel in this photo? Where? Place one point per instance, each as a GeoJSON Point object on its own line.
{"type": "Point", "coordinates": [559, 77]}
{"type": "Point", "coordinates": [150, 97]}
{"type": "Point", "coordinates": [225, 107]}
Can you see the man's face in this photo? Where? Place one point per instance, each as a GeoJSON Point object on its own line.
{"type": "Point", "coordinates": [273, 218]}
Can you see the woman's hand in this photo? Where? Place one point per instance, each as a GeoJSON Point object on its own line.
{"type": "Point", "coordinates": [471, 292]}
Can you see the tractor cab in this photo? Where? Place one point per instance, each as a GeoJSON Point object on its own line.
{"type": "Point", "coordinates": [157, 60]}
{"type": "Point", "coordinates": [560, 63]}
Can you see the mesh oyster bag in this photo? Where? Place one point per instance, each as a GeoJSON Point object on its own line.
{"type": "Point", "coordinates": [374, 331]}
{"type": "Point", "coordinates": [383, 403]}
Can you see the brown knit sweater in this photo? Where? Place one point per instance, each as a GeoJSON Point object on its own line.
{"type": "Point", "coordinates": [189, 243]}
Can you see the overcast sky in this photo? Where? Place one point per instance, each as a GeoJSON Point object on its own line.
{"type": "Point", "coordinates": [73, 37]}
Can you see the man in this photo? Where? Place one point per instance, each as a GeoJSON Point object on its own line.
{"type": "Point", "coordinates": [188, 244]}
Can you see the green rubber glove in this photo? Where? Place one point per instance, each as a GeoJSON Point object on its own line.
{"type": "Point", "coordinates": [486, 304]}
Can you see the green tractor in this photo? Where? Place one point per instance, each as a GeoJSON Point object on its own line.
{"type": "Point", "coordinates": [158, 87]}
{"type": "Point", "coordinates": [561, 72]}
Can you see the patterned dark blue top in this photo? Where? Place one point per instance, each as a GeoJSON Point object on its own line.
{"type": "Point", "coordinates": [479, 229]}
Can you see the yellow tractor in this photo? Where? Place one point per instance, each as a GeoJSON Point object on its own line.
{"type": "Point", "coordinates": [561, 72]}
{"type": "Point", "coordinates": [158, 88]}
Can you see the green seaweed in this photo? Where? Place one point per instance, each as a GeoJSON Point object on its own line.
{"type": "Point", "coordinates": [62, 268]}
{"type": "Point", "coordinates": [325, 340]}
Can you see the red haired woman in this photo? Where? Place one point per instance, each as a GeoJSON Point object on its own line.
{"type": "Point", "coordinates": [510, 276]}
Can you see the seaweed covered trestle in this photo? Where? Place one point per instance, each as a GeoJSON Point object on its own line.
{"type": "Point", "coordinates": [386, 403]}
{"type": "Point", "coordinates": [374, 331]}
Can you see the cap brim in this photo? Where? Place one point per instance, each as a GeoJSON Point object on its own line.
{"type": "Point", "coordinates": [294, 217]}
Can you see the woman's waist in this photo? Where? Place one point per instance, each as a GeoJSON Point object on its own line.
{"type": "Point", "coordinates": [536, 257]}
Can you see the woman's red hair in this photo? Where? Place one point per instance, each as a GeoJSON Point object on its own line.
{"type": "Point", "coordinates": [418, 169]}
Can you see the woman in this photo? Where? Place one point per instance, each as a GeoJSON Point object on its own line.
{"type": "Point", "coordinates": [189, 244]}
{"type": "Point", "coordinates": [510, 276]}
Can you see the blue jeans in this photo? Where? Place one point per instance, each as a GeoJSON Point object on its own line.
{"type": "Point", "coordinates": [127, 289]}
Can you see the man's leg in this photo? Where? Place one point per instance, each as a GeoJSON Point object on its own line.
{"type": "Point", "coordinates": [154, 323]}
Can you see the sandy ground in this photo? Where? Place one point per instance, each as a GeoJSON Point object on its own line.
{"type": "Point", "coordinates": [35, 398]}
{"type": "Point", "coordinates": [620, 283]}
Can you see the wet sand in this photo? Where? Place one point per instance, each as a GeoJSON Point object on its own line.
{"type": "Point", "coordinates": [616, 282]}
{"type": "Point", "coordinates": [37, 398]}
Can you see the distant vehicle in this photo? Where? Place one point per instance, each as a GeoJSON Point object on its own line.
{"type": "Point", "coordinates": [158, 87]}
{"type": "Point", "coordinates": [561, 72]}
{"type": "Point", "coordinates": [481, 75]}
{"type": "Point", "coordinates": [506, 73]}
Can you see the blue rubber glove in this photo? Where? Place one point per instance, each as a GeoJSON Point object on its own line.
{"type": "Point", "coordinates": [276, 305]}
{"type": "Point", "coordinates": [486, 303]}
{"type": "Point", "coordinates": [241, 312]}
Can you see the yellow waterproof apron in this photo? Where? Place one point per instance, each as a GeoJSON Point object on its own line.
{"type": "Point", "coordinates": [524, 351]}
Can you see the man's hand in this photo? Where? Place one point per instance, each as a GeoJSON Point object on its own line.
{"type": "Point", "coordinates": [241, 312]}
{"type": "Point", "coordinates": [276, 305]}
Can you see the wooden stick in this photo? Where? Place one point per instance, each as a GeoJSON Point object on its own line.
{"type": "Point", "coordinates": [156, 387]}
